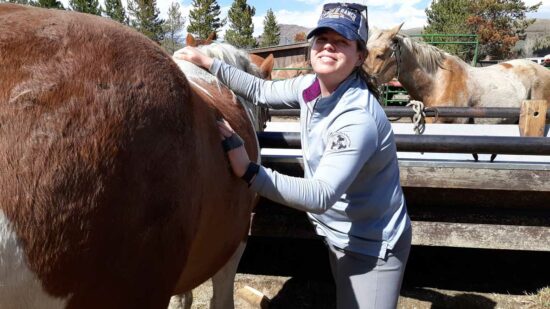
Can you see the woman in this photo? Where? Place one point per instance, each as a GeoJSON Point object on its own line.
{"type": "Point", "coordinates": [351, 189]}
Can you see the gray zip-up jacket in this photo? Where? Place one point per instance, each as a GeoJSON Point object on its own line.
{"type": "Point", "coordinates": [351, 188]}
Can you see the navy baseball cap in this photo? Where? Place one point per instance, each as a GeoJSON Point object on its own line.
{"type": "Point", "coordinates": [345, 18]}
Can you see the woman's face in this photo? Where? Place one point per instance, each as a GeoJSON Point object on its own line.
{"type": "Point", "coordinates": [334, 56]}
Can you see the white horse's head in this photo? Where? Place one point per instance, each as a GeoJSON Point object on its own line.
{"type": "Point", "coordinates": [381, 61]}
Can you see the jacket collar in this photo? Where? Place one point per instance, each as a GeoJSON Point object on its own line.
{"type": "Point", "coordinates": [314, 91]}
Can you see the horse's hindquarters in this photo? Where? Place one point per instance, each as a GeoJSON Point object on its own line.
{"type": "Point", "coordinates": [97, 155]}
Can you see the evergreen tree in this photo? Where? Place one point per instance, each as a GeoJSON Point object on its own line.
{"type": "Point", "coordinates": [145, 18]}
{"type": "Point", "coordinates": [172, 29]}
{"type": "Point", "coordinates": [85, 6]}
{"type": "Point", "coordinates": [17, 1]}
{"type": "Point", "coordinates": [272, 31]}
{"type": "Point", "coordinates": [50, 4]}
{"type": "Point", "coordinates": [115, 11]}
{"type": "Point", "coordinates": [204, 18]}
{"type": "Point", "coordinates": [449, 17]}
{"type": "Point", "coordinates": [241, 27]}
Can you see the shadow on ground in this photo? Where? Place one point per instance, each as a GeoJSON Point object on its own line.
{"type": "Point", "coordinates": [467, 272]}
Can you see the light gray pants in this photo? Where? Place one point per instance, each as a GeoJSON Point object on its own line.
{"type": "Point", "coordinates": [364, 281]}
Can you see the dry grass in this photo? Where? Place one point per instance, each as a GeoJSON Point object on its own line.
{"type": "Point", "coordinates": [541, 300]}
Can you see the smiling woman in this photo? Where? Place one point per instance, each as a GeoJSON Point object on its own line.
{"type": "Point", "coordinates": [351, 189]}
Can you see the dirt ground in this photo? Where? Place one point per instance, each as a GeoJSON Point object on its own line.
{"type": "Point", "coordinates": [296, 275]}
{"type": "Point", "coordinates": [287, 292]}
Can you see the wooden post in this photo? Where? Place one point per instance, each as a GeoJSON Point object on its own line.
{"type": "Point", "coordinates": [532, 118]}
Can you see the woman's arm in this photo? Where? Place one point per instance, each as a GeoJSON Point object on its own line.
{"type": "Point", "coordinates": [349, 147]}
{"type": "Point", "coordinates": [280, 94]}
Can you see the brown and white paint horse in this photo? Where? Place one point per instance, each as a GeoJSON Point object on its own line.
{"type": "Point", "coordinates": [439, 79]}
{"type": "Point", "coordinates": [115, 192]}
{"type": "Point", "coordinates": [223, 280]}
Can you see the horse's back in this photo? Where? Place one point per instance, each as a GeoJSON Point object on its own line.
{"type": "Point", "coordinates": [95, 146]}
{"type": "Point", "coordinates": [508, 83]}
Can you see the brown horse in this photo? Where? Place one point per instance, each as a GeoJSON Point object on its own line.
{"type": "Point", "coordinates": [222, 281]}
{"type": "Point", "coordinates": [191, 41]}
{"type": "Point", "coordinates": [116, 192]}
{"type": "Point", "coordinates": [440, 79]}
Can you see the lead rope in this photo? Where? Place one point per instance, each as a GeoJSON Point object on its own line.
{"type": "Point", "coordinates": [419, 117]}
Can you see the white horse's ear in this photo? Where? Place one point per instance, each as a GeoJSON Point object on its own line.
{"type": "Point", "coordinates": [373, 30]}
{"type": "Point", "coordinates": [395, 30]}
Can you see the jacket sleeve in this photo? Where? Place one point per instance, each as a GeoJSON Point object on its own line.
{"type": "Point", "coordinates": [274, 94]}
{"type": "Point", "coordinates": [350, 143]}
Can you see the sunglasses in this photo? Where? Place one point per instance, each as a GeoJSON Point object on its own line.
{"type": "Point", "coordinates": [353, 6]}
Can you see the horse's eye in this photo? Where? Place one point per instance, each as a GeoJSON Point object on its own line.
{"type": "Point", "coordinates": [380, 57]}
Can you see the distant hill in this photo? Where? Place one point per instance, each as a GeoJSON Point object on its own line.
{"type": "Point", "coordinates": [289, 31]}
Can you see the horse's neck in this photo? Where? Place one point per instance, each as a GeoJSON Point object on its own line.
{"type": "Point", "coordinates": [416, 79]}
{"type": "Point", "coordinates": [197, 76]}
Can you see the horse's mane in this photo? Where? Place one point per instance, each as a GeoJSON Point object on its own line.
{"type": "Point", "coordinates": [231, 55]}
{"type": "Point", "coordinates": [429, 57]}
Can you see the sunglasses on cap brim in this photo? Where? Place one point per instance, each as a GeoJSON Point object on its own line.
{"type": "Point", "coordinates": [354, 6]}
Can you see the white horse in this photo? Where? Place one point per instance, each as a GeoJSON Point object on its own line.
{"type": "Point", "coordinates": [437, 78]}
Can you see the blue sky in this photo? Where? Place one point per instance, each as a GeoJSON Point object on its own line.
{"type": "Point", "coordinates": [382, 13]}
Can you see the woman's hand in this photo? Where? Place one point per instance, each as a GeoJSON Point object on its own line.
{"type": "Point", "coordinates": [194, 56]}
{"type": "Point", "coordinates": [238, 158]}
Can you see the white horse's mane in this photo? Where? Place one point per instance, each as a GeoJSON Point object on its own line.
{"type": "Point", "coordinates": [429, 57]}
{"type": "Point", "coordinates": [231, 55]}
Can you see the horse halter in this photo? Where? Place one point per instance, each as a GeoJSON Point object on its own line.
{"type": "Point", "coordinates": [396, 53]}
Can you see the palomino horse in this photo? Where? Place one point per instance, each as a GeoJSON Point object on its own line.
{"type": "Point", "coordinates": [222, 282]}
{"type": "Point", "coordinates": [440, 79]}
{"type": "Point", "coordinates": [293, 70]}
{"type": "Point", "coordinates": [116, 192]}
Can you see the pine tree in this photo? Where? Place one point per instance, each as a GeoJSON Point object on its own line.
{"type": "Point", "coordinates": [241, 27]}
{"type": "Point", "coordinates": [172, 29]}
{"type": "Point", "coordinates": [50, 4]}
{"type": "Point", "coordinates": [449, 17]}
{"type": "Point", "coordinates": [115, 10]}
{"type": "Point", "coordinates": [145, 18]}
{"type": "Point", "coordinates": [204, 18]}
{"type": "Point", "coordinates": [85, 6]}
{"type": "Point", "coordinates": [17, 1]}
{"type": "Point", "coordinates": [272, 31]}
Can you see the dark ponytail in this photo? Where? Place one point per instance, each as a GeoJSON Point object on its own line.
{"type": "Point", "coordinates": [365, 76]}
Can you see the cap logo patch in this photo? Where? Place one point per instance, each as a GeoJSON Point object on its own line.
{"type": "Point", "coordinates": [338, 141]}
{"type": "Point", "coordinates": [340, 13]}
